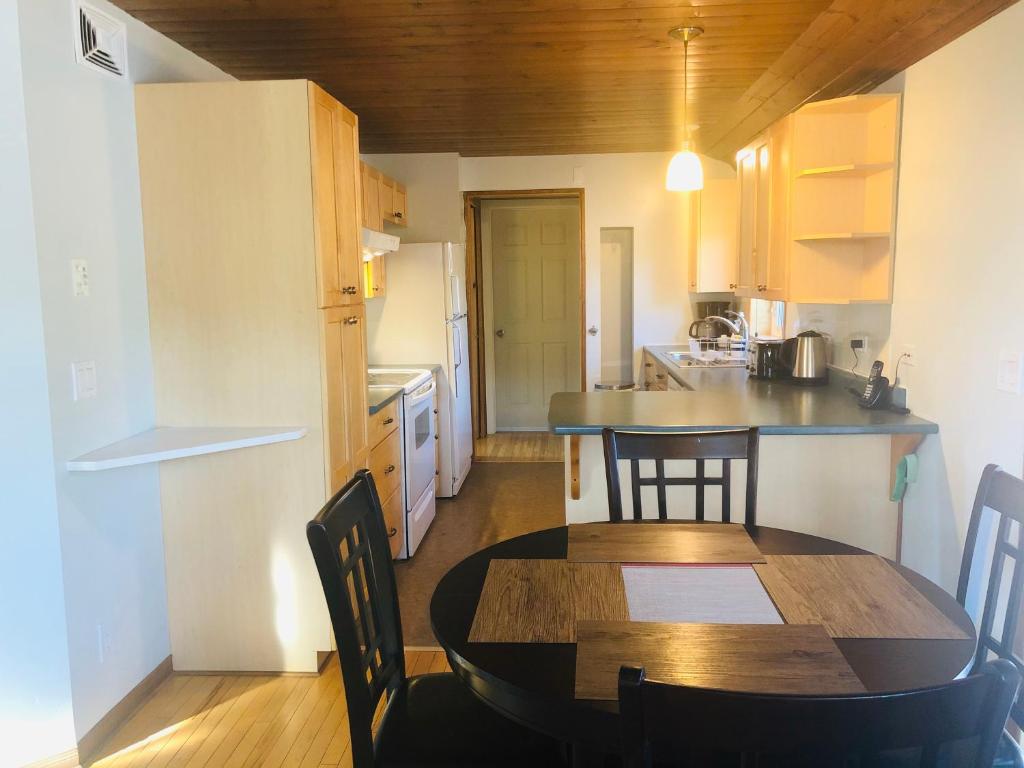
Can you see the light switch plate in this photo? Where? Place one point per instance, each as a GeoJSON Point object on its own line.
{"type": "Point", "coordinates": [79, 277]}
{"type": "Point", "coordinates": [83, 378]}
{"type": "Point", "coordinates": [1008, 376]}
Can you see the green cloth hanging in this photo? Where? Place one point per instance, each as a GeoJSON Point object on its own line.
{"type": "Point", "coordinates": [906, 473]}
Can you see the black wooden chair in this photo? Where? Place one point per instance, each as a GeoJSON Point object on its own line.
{"type": "Point", "coordinates": [667, 446]}
{"type": "Point", "coordinates": [952, 725]}
{"type": "Point", "coordinates": [428, 719]}
{"type": "Point", "coordinates": [1004, 495]}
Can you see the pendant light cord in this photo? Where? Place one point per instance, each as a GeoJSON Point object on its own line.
{"type": "Point", "coordinates": [686, 92]}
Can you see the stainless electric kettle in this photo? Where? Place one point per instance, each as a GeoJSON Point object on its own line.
{"type": "Point", "coordinates": [805, 358]}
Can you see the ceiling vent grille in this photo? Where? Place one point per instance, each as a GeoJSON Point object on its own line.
{"type": "Point", "coordinates": [101, 41]}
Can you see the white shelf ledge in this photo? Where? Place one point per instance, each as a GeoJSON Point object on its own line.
{"type": "Point", "coordinates": [850, 170]}
{"type": "Point", "coordinates": [842, 236]}
{"type": "Point", "coordinates": [166, 443]}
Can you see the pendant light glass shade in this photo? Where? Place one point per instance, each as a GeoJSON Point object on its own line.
{"type": "Point", "coordinates": [685, 173]}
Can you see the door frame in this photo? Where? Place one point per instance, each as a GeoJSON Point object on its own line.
{"type": "Point", "coordinates": [475, 287]}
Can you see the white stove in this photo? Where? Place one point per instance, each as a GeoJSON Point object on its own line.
{"type": "Point", "coordinates": [418, 460]}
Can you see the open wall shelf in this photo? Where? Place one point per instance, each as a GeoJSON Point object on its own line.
{"type": "Point", "coordinates": [840, 236]}
{"type": "Point", "coordinates": [166, 443]}
{"type": "Point", "coordinates": [848, 170]}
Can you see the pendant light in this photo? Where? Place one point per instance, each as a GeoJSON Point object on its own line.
{"type": "Point", "coordinates": [685, 173]}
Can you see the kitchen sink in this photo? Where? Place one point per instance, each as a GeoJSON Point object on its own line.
{"type": "Point", "coordinates": [709, 359]}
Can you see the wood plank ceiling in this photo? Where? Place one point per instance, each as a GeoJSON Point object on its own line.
{"type": "Point", "coordinates": [507, 77]}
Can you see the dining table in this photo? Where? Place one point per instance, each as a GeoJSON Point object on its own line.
{"type": "Point", "coordinates": [536, 626]}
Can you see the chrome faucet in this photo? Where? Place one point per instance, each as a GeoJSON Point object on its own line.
{"type": "Point", "coordinates": [740, 326]}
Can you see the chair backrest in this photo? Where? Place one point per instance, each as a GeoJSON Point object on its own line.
{"type": "Point", "coordinates": [660, 447]}
{"type": "Point", "coordinates": [1004, 495]}
{"type": "Point", "coordinates": [351, 550]}
{"type": "Point", "coordinates": [962, 720]}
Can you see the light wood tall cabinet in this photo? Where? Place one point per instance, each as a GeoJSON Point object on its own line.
{"type": "Point", "coordinates": [252, 204]}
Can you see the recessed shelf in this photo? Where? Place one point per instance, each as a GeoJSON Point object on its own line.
{"type": "Point", "coordinates": [850, 170]}
{"type": "Point", "coordinates": [166, 443]}
{"type": "Point", "coordinates": [841, 236]}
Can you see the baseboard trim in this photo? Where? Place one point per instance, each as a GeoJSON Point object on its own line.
{"type": "Point", "coordinates": [68, 759]}
{"type": "Point", "coordinates": [91, 742]}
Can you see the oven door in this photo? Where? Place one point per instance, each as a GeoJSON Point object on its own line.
{"type": "Point", "coordinates": [419, 442]}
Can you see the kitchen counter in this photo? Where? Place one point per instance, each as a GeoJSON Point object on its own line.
{"type": "Point", "coordinates": [722, 398]}
{"type": "Point", "coordinates": [826, 465]}
{"type": "Point", "coordinates": [379, 397]}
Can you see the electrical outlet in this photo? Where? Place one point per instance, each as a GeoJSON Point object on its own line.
{"type": "Point", "coordinates": [83, 379]}
{"type": "Point", "coordinates": [79, 277]}
{"type": "Point", "coordinates": [859, 342]}
{"type": "Point", "coordinates": [1008, 376]}
{"type": "Point", "coordinates": [908, 353]}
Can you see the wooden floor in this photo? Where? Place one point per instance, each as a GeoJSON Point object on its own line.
{"type": "Point", "coordinates": [519, 446]}
{"type": "Point", "coordinates": [215, 721]}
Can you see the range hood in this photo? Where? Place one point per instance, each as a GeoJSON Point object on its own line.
{"type": "Point", "coordinates": [377, 243]}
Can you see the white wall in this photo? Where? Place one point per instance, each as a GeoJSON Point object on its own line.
{"type": "Point", "coordinates": [960, 274]}
{"type": "Point", "coordinates": [85, 196]}
{"type": "Point", "coordinates": [35, 692]}
{"type": "Point", "coordinates": [622, 190]}
{"type": "Point", "coordinates": [434, 202]}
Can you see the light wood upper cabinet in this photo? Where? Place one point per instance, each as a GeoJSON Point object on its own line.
{"type": "Point", "coordinates": [384, 199]}
{"type": "Point", "coordinates": [817, 199]}
{"type": "Point", "coordinates": [747, 174]}
{"type": "Point", "coordinates": [371, 198]}
{"type": "Point", "coordinates": [400, 216]}
{"type": "Point", "coordinates": [712, 245]}
{"type": "Point", "coordinates": [334, 145]}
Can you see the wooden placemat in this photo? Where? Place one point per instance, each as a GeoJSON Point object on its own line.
{"type": "Point", "coordinates": [853, 596]}
{"type": "Point", "coordinates": [755, 658]}
{"type": "Point", "coordinates": [662, 543]}
{"type": "Point", "coordinates": [541, 601]}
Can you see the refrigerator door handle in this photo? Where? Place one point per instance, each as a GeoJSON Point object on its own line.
{"type": "Point", "coordinates": [456, 299]}
{"type": "Point", "coordinates": [456, 355]}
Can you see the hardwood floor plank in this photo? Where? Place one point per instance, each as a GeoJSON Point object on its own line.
{"type": "Point", "coordinates": [304, 687]}
{"type": "Point", "coordinates": [237, 686]}
{"type": "Point", "coordinates": [438, 662]}
{"type": "Point", "coordinates": [519, 447]}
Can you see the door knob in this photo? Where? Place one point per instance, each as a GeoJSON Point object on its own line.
{"type": "Point", "coordinates": [592, 330]}
{"type": "Point", "coordinates": [500, 333]}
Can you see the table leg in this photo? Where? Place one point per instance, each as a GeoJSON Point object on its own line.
{"type": "Point", "coordinates": [574, 466]}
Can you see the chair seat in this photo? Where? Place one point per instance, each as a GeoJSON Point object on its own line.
{"type": "Point", "coordinates": [436, 720]}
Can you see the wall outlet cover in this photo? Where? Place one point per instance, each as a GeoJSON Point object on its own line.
{"type": "Point", "coordinates": [79, 277]}
{"type": "Point", "coordinates": [908, 353]}
{"type": "Point", "coordinates": [83, 379]}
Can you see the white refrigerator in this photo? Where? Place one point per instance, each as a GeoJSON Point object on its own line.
{"type": "Point", "coordinates": [420, 321]}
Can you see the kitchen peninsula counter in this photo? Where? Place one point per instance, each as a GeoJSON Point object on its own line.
{"type": "Point", "coordinates": [826, 465]}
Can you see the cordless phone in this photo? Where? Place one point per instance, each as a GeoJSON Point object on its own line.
{"type": "Point", "coordinates": [876, 391]}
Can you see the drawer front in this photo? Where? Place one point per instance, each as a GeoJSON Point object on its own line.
{"type": "Point", "coordinates": [386, 464]}
{"type": "Point", "coordinates": [394, 521]}
{"type": "Point", "coordinates": [384, 422]}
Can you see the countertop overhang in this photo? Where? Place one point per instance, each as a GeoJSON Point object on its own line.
{"type": "Point", "coordinates": [726, 398]}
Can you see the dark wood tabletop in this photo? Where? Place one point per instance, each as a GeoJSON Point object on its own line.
{"type": "Point", "coordinates": [534, 683]}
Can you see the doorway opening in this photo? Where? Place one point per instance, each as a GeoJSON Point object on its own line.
{"type": "Point", "coordinates": [525, 273]}
{"type": "Point", "coordinates": [617, 305]}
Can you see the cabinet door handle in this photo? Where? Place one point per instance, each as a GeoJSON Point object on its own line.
{"type": "Point", "coordinates": [732, 285]}
{"type": "Point", "coordinates": [398, 215]}
{"type": "Point", "coordinates": [388, 420]}
{"type": "Point", "coordinates": [437, 437]}
{"type": "Point", "coordinates": [392, 532]}
{"type": "Point", "coordinates": [390, 468]}
{"type": "Point", "coordinates": [435, 411]}
{"type": "Point", "coordinates": [354, 320]}
{"type": "Point", "coordinates": [350, 290]}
